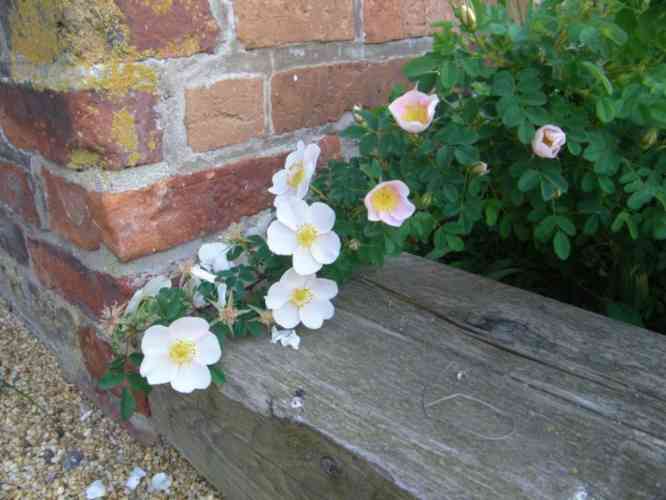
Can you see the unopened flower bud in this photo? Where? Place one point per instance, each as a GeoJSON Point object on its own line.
{"type": "Point", "coordinates": [480, 168]}
{"type": "Point", "coordinates": [354, 245]}
{"type": "Point", "coordinates": [650, 137]}
{"type": "Point", "coordinates": [356, 113]}
{"type": "Point", "coordinates": [468, 17]}
{"type": "Point", "coordinates": [426, 199]}
{"type": "Point", "coordinates": [558, 194]}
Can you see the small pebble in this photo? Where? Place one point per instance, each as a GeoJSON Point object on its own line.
{"type": "Point", "coordinates": [96, 490]}
{"type": "Point", "coordinates": [72, 459]}
{"type": "Point", "coordinates": [135, 478]}
{"type": "Point", "coordinates": [160, 482]}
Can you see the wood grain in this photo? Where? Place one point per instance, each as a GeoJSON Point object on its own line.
{"type": "Point", "coordinates": [436, 384]}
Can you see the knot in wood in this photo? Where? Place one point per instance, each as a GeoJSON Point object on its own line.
{"type": "Point", "coordinates": [330, 467]}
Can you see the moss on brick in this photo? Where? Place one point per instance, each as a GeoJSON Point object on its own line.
{"type": "Point", "coordinates": [83, 158]}
{"type": "Point", "coordinates": [118, 78]}
{"type": "Point", "coordinates": [34, 29]}
{"type": "Point", "coordinates": [123, 132]}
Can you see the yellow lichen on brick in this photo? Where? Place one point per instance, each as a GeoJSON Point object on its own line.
{"type": "Point", "coordinates": [160, 7]}
{"type": "Point", "coordinates": [118, 78]}
{"type": "Point", "coordinates": [123, 132]}
{"type": "Point", "coordinates": [81, 158]}
{"type": "Point", "coordinates": [33, 28]}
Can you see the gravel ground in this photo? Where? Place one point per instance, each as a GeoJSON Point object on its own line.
{"type": "Point", "coordinates": [56, 445]}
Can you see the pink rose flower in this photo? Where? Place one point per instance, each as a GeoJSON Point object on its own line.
{"type": "Point", "coordinates": [548, 140]}
{"type": "Point", "coordinates": [388, 203]}
{"type": "Point", "coordinates": [414, 111]}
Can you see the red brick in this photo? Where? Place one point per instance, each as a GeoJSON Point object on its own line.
{"type": "Point", "coordinates": [182, 208]}
{"type": "Point", "coordinates": [228, 112]}
{"type": "Point", "coordinates": [269, 23]}
{"type": "Point", "coordinates": [69, 215]}
{"type": "Point", "coordinates": [120, 130]}
{"type": "Point", "coordinates": [170, 28]}
{"type": "Point", "coordinates": [97, 354]}
{"type": "Point", "coordinates": [310, 97]}
{"type": "Point", "coordinates": [16, 192]}
{"type": "Point", "coordinates": [64, 273]}
{"type": "Point", "coordinates": [386, 20]}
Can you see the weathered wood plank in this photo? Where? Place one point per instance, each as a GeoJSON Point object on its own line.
{"type": "Point", "coordinates": [528, 324]}
{"type": "Point", "coordinates": [402, 401]}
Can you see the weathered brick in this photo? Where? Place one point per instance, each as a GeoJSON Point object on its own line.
{"type": "Point", "coordinates": [12, 239]}
{"type": "Point", "coordinates": [97, 354]}
{"type": "Point", "coordinates": [269, 23]}
{"type": "Point", "coordinates": [83, 128]}
{"type": "Point", "coordinates": [68, 212]}
{"type": "Point", "coordinates": [310, 97]}
{"type": "Point", "coordinates": [43, 32]}
{"type": "Point", "coordinates": [170, 28]}
{"type": "Point", "coordinates": [64, 273]}
{"type": "Point", "coordinates": [386, 20]}
{"type": "Point", "coordinates": [182, 208]}
{"type": "Point", "coordinates": [227, 112]}
{"type": "Point", "coordinates": [16, 192]}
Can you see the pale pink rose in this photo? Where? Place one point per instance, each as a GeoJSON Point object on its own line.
{"type": "Point", "coordinates": [414, 110]}
{"type": "Point", "coordinates": [388, 203]}
{"type": "Point", "coordinates": [548, 140]}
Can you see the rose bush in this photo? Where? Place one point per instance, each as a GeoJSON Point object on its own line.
{"type": "Point", "coordinates": [532, 153]}
{"type": "Point", "coordinates": [544, 164]}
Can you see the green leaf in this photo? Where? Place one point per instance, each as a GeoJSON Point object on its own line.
{"type": "Point", "coordinates": [640, 198]}
{"type": "Point", "coordinates": [658, 112]}
{"type": "Point", "coordinates": [561, 245]}
{"type": "Point", "coordinates": [606, 184]}
{"type": "Point", "coordinates": [111, 379]}
{"type": "Point", "coordinates": [217, 375]}
{"type": "Point", "coordinates": [420, 66]}
{"type": "Point", "coordinates": [525, 132]}
{"type": "Point", "coordinates": [600, 75]}
{"type": "Point", "coordinates": [449, 75]}
{"type": "Point", "coordinates": [127, 404]}
{"type": "Point", "coordinates": [591, 225]}
{"type": "Point", "coordinates": [136, 358]}
{"type": "Point", "coordinates": [624, 313]}
{"type": "Point", "coordinates": [529, 180]}
{"type": "Point", "coordinates": [605, 109]}
{"type": "Point", "coordinates": [138, 383]}
{"type": "Point", "coordinates": [256, 329]}
{"type": "Point", "coordinates": [503, 84]}
{"type": "Point", "coordinates": [455, 243]}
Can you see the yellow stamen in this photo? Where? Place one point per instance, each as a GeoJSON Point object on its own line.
{"type": "Point", "coordinates": [306, 235]}
{"type": "Point", "coordinates": [385, 199]}
{"type": "Point", "coordinates": [547, 139]}
{"type": "Point", "coordinates": [415, 113]}
{"type": "Point", "coordinates": [182, 351]}
{"type": "Point", "coordinates": [296, 174]}
{"type": "Point", "coordinates": [301, 296]}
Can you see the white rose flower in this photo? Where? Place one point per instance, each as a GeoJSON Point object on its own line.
{"type": "Point", "coordinates": [548, 140]}
{"type": "Point", "coordinates": [306, 232]}
{"type": "Point", "coordinates": [151, 289]}
{"type": "Point", "coordinates": [213, 257]}
{"type": "Point", "coordinates": [180, 354]}
{"type": "Point", "coordinates": [288, 338]}
{"type": "Point", "coordinates": [294, 179]}
{"type": "Point", "coordinates": [296, 298]}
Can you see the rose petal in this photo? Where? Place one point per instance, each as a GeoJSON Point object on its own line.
{"type": "Point", "coordinates": [326, 248]}
{"type": "Point", "coordinates": [292, 213]}
{"type": "Point", "coordinates": [278, 295]}
{"type": "Point", "coordinates": [304, 262]}
{"type": "Point", "coordinates": [287, 316]}
{"type": "Point", "coordinates": [323, 288]}
{"type": "Point", "coordinates": [189, 328]}
{"type": "Point", "coordinates": [315, 312]}
{"type": "Point", "coordinates": [158, 369]}
{"type": "Point", "coordinates": [322, 217]}
{"type": "Point", "coordinates": [281, 240]}
{"type": "Point", "coordinates": [190, 377]}
{"type": "Point", "coordinates": [208, 350]}
{"type": "Point", "coordinates": [155, 341]}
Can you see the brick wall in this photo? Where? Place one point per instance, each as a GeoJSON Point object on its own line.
{"type": "Point", "coordinates": [132, 130]}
